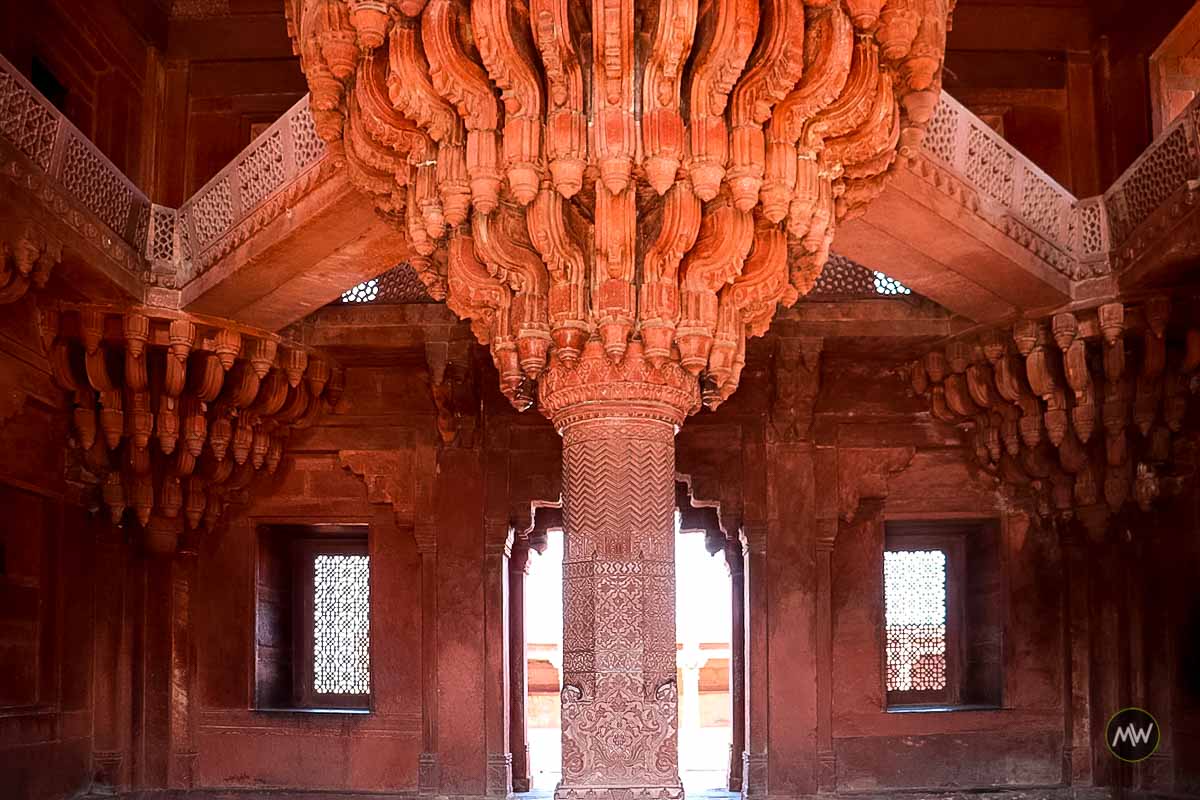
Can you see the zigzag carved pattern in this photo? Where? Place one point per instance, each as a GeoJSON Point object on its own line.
{"type": "Point", "coordinates": [618, 481]}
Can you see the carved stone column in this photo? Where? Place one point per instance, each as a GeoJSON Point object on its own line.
{"type": "Point", "coordinates": [181, 769]}
{"type": "Point", "coordinates": [112, 670]}
{"type": "Point", "coordinates": [619, 699]}
{"type": "Point", "coordinates": [518, 678]}
{"type": "Point", "coordinates": [497, 549]}
{"type": "Point", "coordinates": [826, 761]}
{"type": "Point", "coordinates": [737, 663]}
{"type": "Point", "coordinates": [428, 775]}
{"type": "Point", "coordinates": [754, 758]}
{"type": "Point", "coordinates": [1078, 758]}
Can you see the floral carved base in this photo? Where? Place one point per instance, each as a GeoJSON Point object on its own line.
{"type": "Point", "coordinates": [619, 700]}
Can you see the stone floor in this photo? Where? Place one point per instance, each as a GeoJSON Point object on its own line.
{"type": "Point", "coordinates": [704, 794]}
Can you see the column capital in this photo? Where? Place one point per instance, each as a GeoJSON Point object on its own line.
{"type": "Point", "coordinates": [595, 387]}
{"type": "Point", "coordinates": [518, 559]}
{"type": "Point", "coordinates": [425, 534]}
{"type": "Point", "coordinates": [754, 537]}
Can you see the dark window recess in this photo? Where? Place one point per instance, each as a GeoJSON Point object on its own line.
{"type": "Point", "coordinates": [943, 617]}
{"type": "Point", "coordinates": [45, 82]}
{"type": "Point", "coordinates": [312, 631]}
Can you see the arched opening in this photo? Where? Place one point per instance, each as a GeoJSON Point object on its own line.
{"type": "Point", "coordinates": [543, 659]}
{"type": "Point", "coordinates": [707, 611]}
{"type": "Point", "coordinates": [703, 619]}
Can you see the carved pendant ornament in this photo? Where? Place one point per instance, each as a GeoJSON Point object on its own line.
{"type": "Point", "coordinates": [623, 171]}
{"type": "Point", "coordinates": [175, 415]}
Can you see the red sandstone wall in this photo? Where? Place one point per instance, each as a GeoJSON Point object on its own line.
{"type": "Point", "coordinates": [225, 78]}
{"type": "Point", "coordinates": [239, 747]}
{"type": "Point", "coordinates": [46, 584]}
{"type": "Point", "coordinates": [849, 742]}
{"type": "Point", "coordinates": [146, 665]}
{"type": "Point", "coordinates": [103, 53]}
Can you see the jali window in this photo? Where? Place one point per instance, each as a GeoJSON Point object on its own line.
{"type": "Point", "coordinates": [333, 623]}
{"type": "Point", "coordinates": [922, 620]}
{"type": "Point", "coordinates": [313, 618]}
{"type": "Point", "coordinates": [341, 625]}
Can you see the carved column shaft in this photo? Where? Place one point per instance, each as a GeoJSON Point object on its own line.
{"type": "Point", "coordinates": [1078, 757]}
{"type": "Point", "coordinates": [112, 671]}
{"type": "Point", "coordinates": [737, 664]}
{"type": "Point", "coordinates": [619, 702]}
{"type": "Point", "coordinates": [428, 777]}
{"type": "Point", "coordinates": [181, 769]}
{"type": "Point", "coordinates": [754, 581]}
{"type": "Point", "coordinates": [518, 732]}
{"type": "Point", "coordinates": [496, 658]}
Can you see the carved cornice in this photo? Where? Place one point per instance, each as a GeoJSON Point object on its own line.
{"type": "Point", "coordinates": [952, 184]}
{"type": "Point", "coordinates": [56, 207]}
{"type": "Point", "coordinates": [278, 204]}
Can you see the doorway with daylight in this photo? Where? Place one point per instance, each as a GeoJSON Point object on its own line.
{"type": "Point", "coordinates": [703, 618]}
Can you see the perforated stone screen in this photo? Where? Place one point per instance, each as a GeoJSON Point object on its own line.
{"type": "Point", "coordinates": [843, 278]}
{"type": "Point", "coordinates": [341, 624]}
{"type": "Point", "coordinates": [915, 596]}
{"type": "Point", "coordinates": [400, 284]}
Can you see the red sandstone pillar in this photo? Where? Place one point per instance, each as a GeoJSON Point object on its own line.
{"type": "Point", "coordinates": [754, 759]}
{"type": "Point", "coordinates": [518, 678]}
{"type": "Point", "coordinates": [619, 698]}
{"type": "Point", "coordinates": [181, 769]}
{"type": "Point", "coordinates": [428, 778]}
{"type": "Point", "coordinates": [1078, 758]}
{"type": "Point", "coordinates": [826, 763]}
{"type": "Point", "coordinates": [152, 734]}
{"type": "Point", "coordinates": [737, 664]}
{"type": "Point", "coordinates": [496, 665]}
{"type": "Point", "coordinates": [111, 671]}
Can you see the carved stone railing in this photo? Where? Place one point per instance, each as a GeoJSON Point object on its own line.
{"type": "Point", "coordinates": [1169, 166]}
{"type": "Point", "coordinates": [1082, 238]}
{"type": "Point", "coordinates": [169, 246]}
{"type": "Point", "coordinates": [119, 211]}
{"type": "Point", "coordinates": [1079, 238]}
{"type": "Point", "coordinates": [1015, 194]}
{"type": "Point", "coordinates": [206, 227]}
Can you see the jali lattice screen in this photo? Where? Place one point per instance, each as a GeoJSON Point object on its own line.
{"type": "Point", "coordinates": [341, 625]}
{"type": "Point", "coordinates": [915, 596]}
